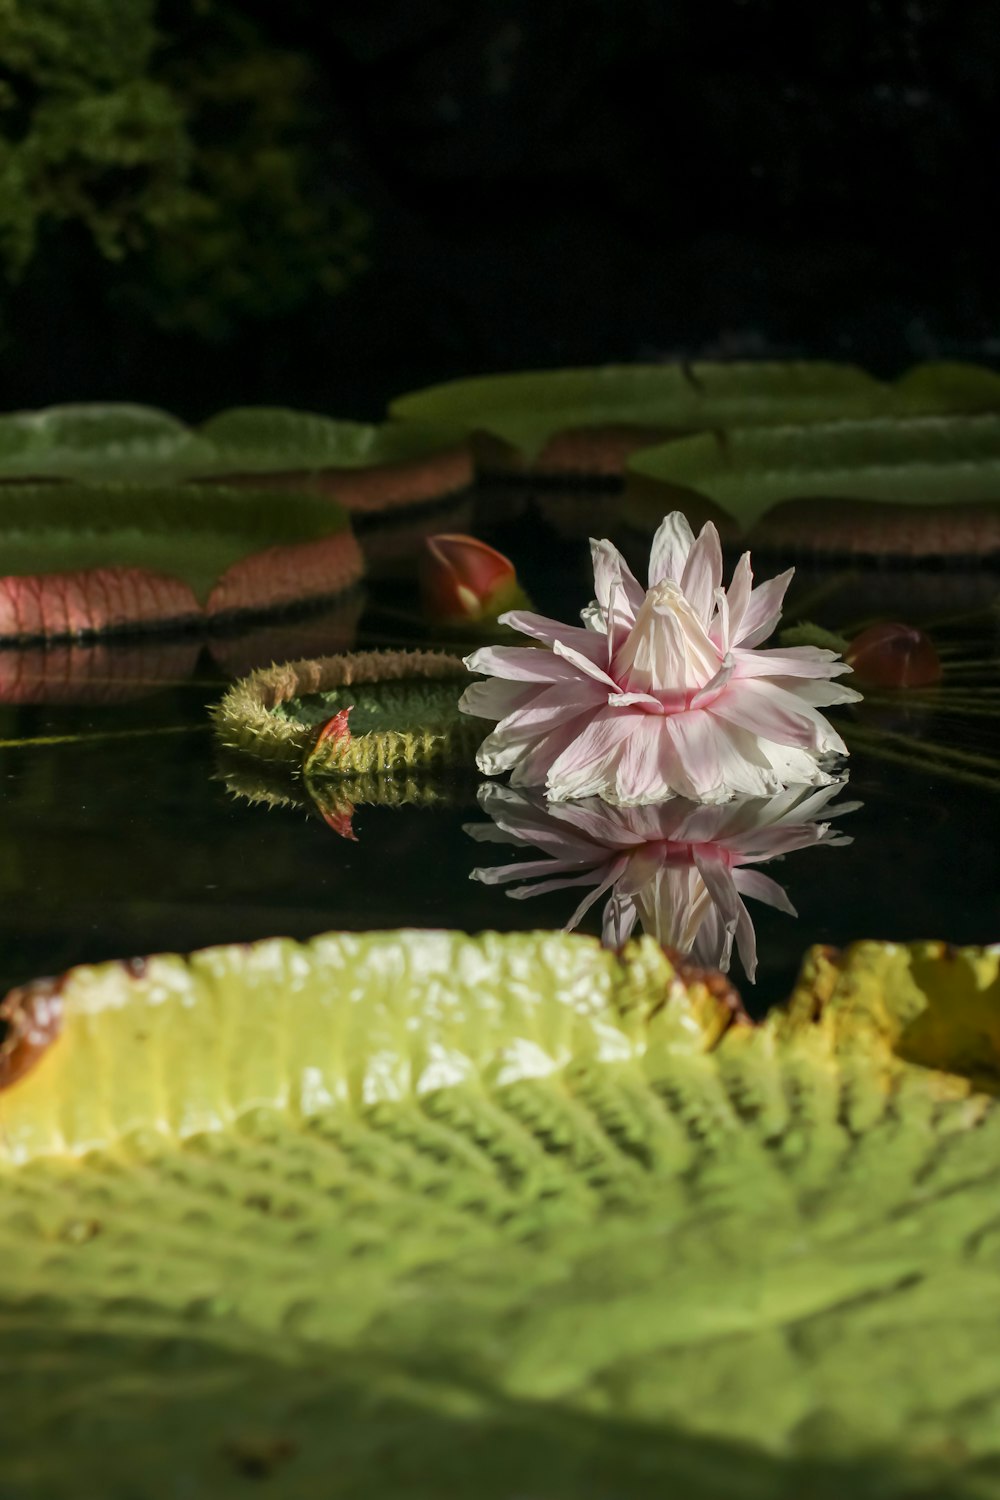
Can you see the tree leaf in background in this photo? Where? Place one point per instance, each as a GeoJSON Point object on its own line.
{"type": "Point", "coordinates": [363, 712]}
{"type": "Point", "coordinates": [911, 468]}
{"type": "Point", "coordinates": [82, 558]}
{"type": "Point", "coordinates": [427, 1214]}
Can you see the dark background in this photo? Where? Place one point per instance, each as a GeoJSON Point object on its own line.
{"type": "Point", "coordinates": [542, 182]}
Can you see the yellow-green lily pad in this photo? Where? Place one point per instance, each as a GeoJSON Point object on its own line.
{"type": "Point", "coordinates": [362, 713]}
{"type": "Point", "coordinates": [425, 1214]}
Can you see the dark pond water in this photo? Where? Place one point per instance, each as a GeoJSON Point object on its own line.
{"type": "Point", "coordinates": [119, 834]}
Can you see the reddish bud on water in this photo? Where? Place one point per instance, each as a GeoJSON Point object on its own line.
{"type": "Point", "coordinates": [893, 656]}
{"type": "Point", "coordinates": [463, 580]}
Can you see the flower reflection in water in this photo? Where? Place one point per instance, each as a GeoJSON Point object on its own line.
{"type": "Point", "coordinates": [679, 868]}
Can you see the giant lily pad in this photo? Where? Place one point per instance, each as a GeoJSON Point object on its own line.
{"type": "Point", "coordinates": [79, 558]}
{"type": "Point", "coordinates": [360, 713]}
{"type": "Point", "coordinates": [589, 420]}
{"type": "Point", "coordinates": [365, 467]}
{"type": "Point", "coordinates": [425, 1214]}
{"type": "Point", "coordinates": [942, 386]}
{"type": "Point", "coordinates": [922, 486]}
{"type": "Point", "coordinates": [98, 442]}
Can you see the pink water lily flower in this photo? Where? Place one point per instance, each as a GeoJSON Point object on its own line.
{"type": "Point", "coordinates": [680, 869]}
{"type": "Point", "coordinates": [663, 691]}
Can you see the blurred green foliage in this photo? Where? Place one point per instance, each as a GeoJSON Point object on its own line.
{"type": "Point", "coordinates": [191, 150]}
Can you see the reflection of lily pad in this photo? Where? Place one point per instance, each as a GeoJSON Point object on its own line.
{"type": "Point", "coordinates": [80, 558]}
{"type": "Point", "coordinates": [365, 467]}
{"type": "Point", "coordinates": [427, 1214]}
{"type": "Point", "coordinates": [924, 486]}
{"type": "Point", "coordinates": [635, 402]}
{"type": "Point", "coordinates": [273, 784]}
{"type": "Point", "coordinates": [106, 671]}
{"type": "Point", "coordinates": [373, 711]}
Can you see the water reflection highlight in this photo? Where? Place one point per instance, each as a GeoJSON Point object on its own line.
{"type": "Point", "coordinates": [679, 869]}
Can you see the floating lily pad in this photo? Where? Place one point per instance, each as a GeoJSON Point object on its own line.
{"type": "Point", "coordinates": [942, 386]}
{"type": "Point", "coordinates": [80, 558]}
{"type": "Point", "coordinates": [365, 467]}
{"type": "Point", "coordinates": [98, 442]}
{"type": "Point", "coordinates": [633, 403]}
{"type": "Point", "coordinates": [363, 712]}
{"type": "Point", "coordinates": [432, 1215]}
{"type": "Point", "coordinates": [926, 485]}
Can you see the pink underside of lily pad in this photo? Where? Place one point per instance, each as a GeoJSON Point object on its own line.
{"type": "Point", "coordinates": [288, 574]}
{"type": "Point", "coordinates": [95, 600]}
{"type": "Point", "coordinates": [92, 599]}
{"type": "Point", "coordinates": [380, 487]}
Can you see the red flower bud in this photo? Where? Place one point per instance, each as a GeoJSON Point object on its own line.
{"type": "Point", "coordinates": [462, 580]}
{"type": "Point", "coordinates": [893, 656]}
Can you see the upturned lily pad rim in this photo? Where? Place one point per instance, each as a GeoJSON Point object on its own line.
{"type": "Point", "coordinates": [904, 461]}
{"type": "Point", "coordinates": [196, 542]}
{"type": "Point", "coordinates": [927, 1004]}
{"type": "Point", "coordinates": [245, 720]}
{"type": "Point", "coordinates": [514, 1173]}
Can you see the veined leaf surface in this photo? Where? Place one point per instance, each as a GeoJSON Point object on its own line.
{"type": "Point", "coordinates": [425, 1214]}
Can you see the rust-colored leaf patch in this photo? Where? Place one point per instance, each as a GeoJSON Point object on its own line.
{"type": "Point", "coordinates": [30, 1021]}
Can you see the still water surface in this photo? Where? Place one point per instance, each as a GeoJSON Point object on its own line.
{"type": "Point", "coordinates": [119, 835]}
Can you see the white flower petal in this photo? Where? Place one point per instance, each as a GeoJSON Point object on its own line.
{"type": "Point", "coordinates": [763, 611]}
{"type": "Point", "coordinates": [669, 552]}
{"type": "Point", "coordinates": [669, 649]}
{"type": "Point", "coordinates": [762, 888]}
{"type": "Point", "coordinates": [540, 628]}
{"type": "Point", "coordinates": [593, 619]}
{"type": "Point", "coordinates": [738, 595]}
{"type": "Point", "coordinates": [619, 921]}
{"type": "Point", "coordinates": [703, 572]}
{"type": "Point", "coordinates": [523, 664]}
{"type": "Point", "coordinates": [584, 666]}
{"type": "Point", "coordinates": [639, 776]}
{"type": "Point", "coordinates": [612, 571]}
{"type": "Point", "coordinates": [495, 698]}
{"type": "Point", "coordinates": [773, 713]}
{"type": "Point", "coordinates": [587, 767]}
{"type": "Point", "coordinates": [792, 661]}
